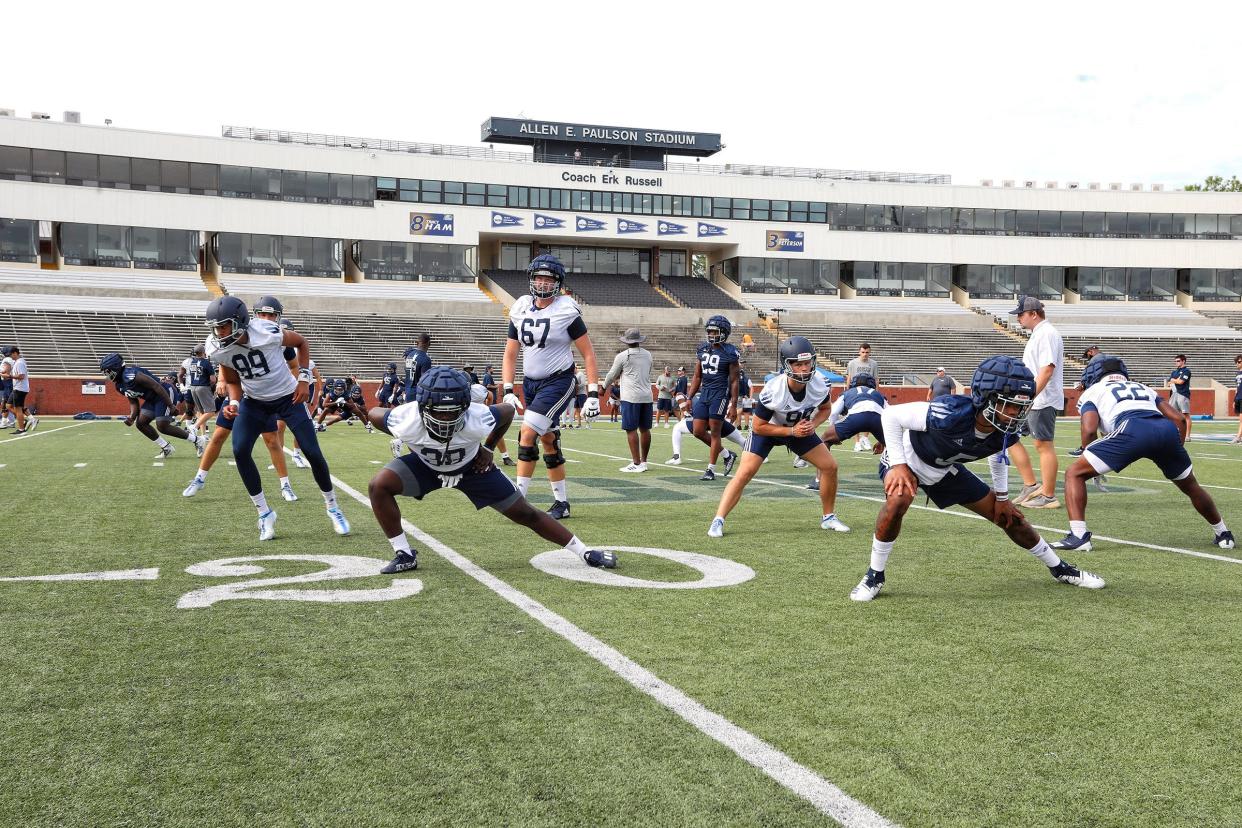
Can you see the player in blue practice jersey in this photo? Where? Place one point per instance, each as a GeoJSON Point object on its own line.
{"type": "Point", "coordinates": [928, 443]}
{"type": "Point", "coordinates": [545, 326]}
{"type": "Point", "coordinates": [1138, 424]}
{"type": "Point", "coordinates": [791, 406]}
{"type": "Point", "coordinates": [386, 394]}
{"type": "Point", "coordinates": [417, 363]}
{"type": "Point", "coordinates": [857, 411]}
{"type": "Point", "coordinates": [149, 402]}
{"type": "Point", "coordinates": [716, 375]}
{"type": "Point", "coordinates": [451, 440]}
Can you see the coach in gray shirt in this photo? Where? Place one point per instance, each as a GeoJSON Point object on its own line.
{"type": "Point", "coordinates": [941, 385]}
{"type": "Point", "coordinates": [864, 364]}
{"type": "Point", "coordinates": [633, 366]}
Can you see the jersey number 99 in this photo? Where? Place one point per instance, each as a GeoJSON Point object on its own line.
{"type": "Point", "coordinates": [250, 365]}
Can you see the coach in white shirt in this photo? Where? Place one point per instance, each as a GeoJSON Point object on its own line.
{"type": "Point", "coordinates": [1045, 357]}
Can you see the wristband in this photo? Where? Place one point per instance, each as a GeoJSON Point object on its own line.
{"type": "Point", "coordinates": [234, 403]}
{"type": "Point", "coordinates": [1002, 496]}
{"type": "Point", "coordinates": [508, 388]}
{"type": "Point", "coordinates": [304, 375]}
{"type": "Point", "coordinates": [593, 389]}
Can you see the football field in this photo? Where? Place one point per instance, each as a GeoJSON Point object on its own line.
{"type": "Point", "coordinates": [194, 676]}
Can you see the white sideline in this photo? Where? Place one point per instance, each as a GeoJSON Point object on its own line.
{"type": "Point", "coordinates": [798, 779]}
{"type": "Point", "coordinates": [41, 433]}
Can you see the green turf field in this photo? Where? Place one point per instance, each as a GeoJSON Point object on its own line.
{"type": "Point", "coordinates": [974, 691]}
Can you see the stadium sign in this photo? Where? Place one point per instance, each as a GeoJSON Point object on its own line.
{"type": "Point", "coordinates": [505, 220]}
{"type": "Point", "coordinates": [668, 228]}
{"type": "Point", "coordinates": [630, 226]}
{"type": "Point", "coordinates": [706, 229]}
{"type": "Point", "coordinates": [431, 224]}
{"type": "Point", "coordinates": [525, 131]}
{"type": "Point", "coordinates": [543, 222]}
{"type": "Point", "coordinates": [611, 178]}
{"type": "Point", "coordinates": [786, 241]}
{"type": "Point", "coordinates": [589, 225]}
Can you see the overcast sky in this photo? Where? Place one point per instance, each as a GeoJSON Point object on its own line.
{"type": "Point", "coordinates": [1082, 91]}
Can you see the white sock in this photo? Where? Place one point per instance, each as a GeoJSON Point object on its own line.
{"type": "Point", "coordinates": [678, 433]}
{"type": "Point", "coordinates": [1219, 527]}
{"type": "Point", "coordinates": [711, 467]}
{"type": "Point", "coordinates": [523, 484]}
{"type": "Point", "coordinates": [161, 442]}
{"type": "Point", "coordinates": [504, 455]}
{"type": "Point", "coordinates": [284, 481]}
{"type": "Point", "coordinates": [1045, 554]}
{"type": "Point", "coordinates": [260, 503]}
{"type": "Point", "coordinates": [400, 543]}
{"type": "Point", "coordinates": [191, 430]}
{"type": "Point", "coordinates": [576, 546]}
{"type": "Point", "coordinates": [329, 499]}
{"type": "Point", "coordinates": [1078, 527]}
{"type": "Point", "coordinates": [736, 436]}
{"type": "Point", "coordinates": [880, 551]}
{"type": "Point", "coordinates": [558, 491]}
{"type": "Point", "coordinates": [201, 477]}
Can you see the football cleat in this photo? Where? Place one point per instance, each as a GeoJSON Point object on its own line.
{"type": "Point", "coordinates": [1067, 573]}
{"type": "Point", "coordinates": [559, 510]}
{"type": "Point", "coordinates": [200, 444]}
{"type": "Point", "coordinates": [813, 485]}
{"type": "Point", "coordinates": [834, 523]}
{"type": "Point", "coordinates": [800, 463]}
{"type": "Point", "coordinates": [858, 448]}
{"type": "Point", "coordinates": [320, 427]}
{"type": "Point", "coordinates": [286, 491]}
{"type": "Point", "coordinates": [194, 488]}
{"type": "Point", "coordinates": [1072, 541]}
{"type": "Point", "coordinates": [299, 460]}
{"type": "Point", "coordinates": [395, 445]}
{"type": "Point", "coordinates": [166, 451]}
{"type": "Point", "coordinates": [1224, 540]}
{"type": "Point", "coordinates": [675, 460]}
{"type": "Point", "coordinates": [868, 587]}
{"type": "Point", "coordinates": [370, 428]}
{"type": "Point", "coordinates": [598, 558]}
{"type": "Point", "coordinates": [267, 525]}
{"type": "Point", "coordinates": [716, 530]}
{"type": "Point", "coordinates": [1101, 484]}
{"type": "Point", "coordinates": [708, 474]}
{"type": "Point", "coordinates": [730, 460]}
{"type": "Point", "coordinates": [404, 562]}
{"type": "Point", "coordinates": [1076, 452]}
{"type": "Point", "coordinates": [634, 467]}
{"type": "Point", "coordinates": [32, 423]}
{"type": "Point", "coordinates": [508, 461]}
{"type": "Point", "coordinates": [339, 524]}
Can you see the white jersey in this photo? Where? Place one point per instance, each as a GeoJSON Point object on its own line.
{"type": "Point", "coordinates": [260, 362]}
{"type": "Point", "coordinates": [405, 422]}
{"type": "Point", "coordinates": [478, 393]}
{"type": "Point", "coordinates": [546, 334]}
{"type": "Point", "coordinates": [783, 408]}
{"type": "Point", "coordinates": [1116, 398]}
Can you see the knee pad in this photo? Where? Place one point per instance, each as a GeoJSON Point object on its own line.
{"type": "Point", "coordinates": [554, 460]}
{"type": "Point", "coordinates": [530, 453]}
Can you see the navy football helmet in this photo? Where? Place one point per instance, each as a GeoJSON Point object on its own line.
{"type": "Point", "coordinates": [268, 304]}
{"type": "Point", "coordinates": [1002, 381]}
{"type": "Point", "coordinates": [1101, 366]}
{"type": "Point", "coordinates": [718, 329]}
{"type": "Point", "coordinates": [111, 365]}
{"type": "Point", "coordinates": [199, 351]}
{"type": "Point", "coordinates": [286, 324]}
{"type": "Point", "coordinates": [392, 367]}
{"type": "Point", "coordinates": [443, 395]}
{"type": "Point", "coordinates": [862, 380]}
{"type": "Point", "coordinates": [222, 311]}
{"type": "Point", "coordinates": [798, 349]}
{"type": "Point", "coordinates": [546, 265]}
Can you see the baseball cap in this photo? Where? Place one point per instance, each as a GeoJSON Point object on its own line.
{"type": "Point", "coordinates": [1027, 303]}
{"type": "Point", "coordinates": [1088, 350]}
{"type": "Point", "coordinates": [941, 368]}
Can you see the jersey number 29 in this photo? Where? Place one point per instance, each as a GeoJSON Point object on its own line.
{"type": "Point", "coordinates": [709, 363]}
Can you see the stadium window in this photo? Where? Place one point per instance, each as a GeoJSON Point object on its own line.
{"type": "Point", "coordinates": [780, 211]}
{"type": "Point", "coordinates": [854, 216]}
{"type": "Point", "coordinates": [497, 195]}
{"type": "Point", "coordinates": [1049, 222]}
{"type": "Point", "coordinates": [1229, 284]}
{"type": "Point", "coordinates": [293, 185]}
{"type": "Point", "coordinates": [581, 199]}
{"type": "Point", "coordinates": [939, 277]}
{"type": "Point", "coordinates": [234, 181]}
{"type": "Point", "coordinates": [597, 202]}
{"type": "Point", "coordinates": [1163, 283]}
{"type": "Point", "coordinates": [741, 209]}
{"type": "Point", "coordinates": [1114, 283]}
{"type": "Point", "coordinates": [19, 240]}
{"type": "Point", "coordinates": [144, 174]}
{"type": "Point", "coordinates": [1161, 224]}
{"type": "Point", "coordinates": [874, 216]}
{"type": "Point", "coordinates": [1205, 223]}
{"type": "Point", "coordinates": [15, 163]}
{"type": "Point", "coordinates": [1051, 282]}
{"type": "Point", "coordinates": [836, 214]}
{"type": "Point", "coordinates": [914, 218]}
{"type": "Point", "coordinates": [1115, 224]}
{"type": "Point", "coordinates": [759, 209]}
{"type": "Point", "coordinates": [1007, 221]}
{"type": "Point", "coordinates": [985, 220]}
{"type": "Point", "coordinates": [266, 184]}
{"type": "Point", "coordinates": [1071, 223]}
{"type": "Point", "coordinates": [1138, 224]}
{"type": "Point", "coordinates": [205, 179]}
{"type": "Point", "coordinates": [818, 213]}
{"type": "Point", "coordinates": [1026, 280]}
{"type": "Point", "coordinates": [644, 204]}
{"type": "Point", "coordinates": [1235, 226]}
{"type": "Point", "coordinates": [617, 203]}
{"type": "Point", "coordinates": [627, 202]}
{"type": "Point", "coordinates": [606, 260]}
{"type": "Point", "coordinates": [259, 254]}
{"type": "Point", "coordinates": [914, 278]}
{"type": "Point", "coordinates": [114, 171]}
{"type": "Point", "coordinates": [519, 197]}
{"type": "Point", "coordinates": [475, 194]}
{"type": "Point", "coordinates": [175, 177]}
{"type": "Point", "coordinates": [1003, 279]}
{"type": "Point", "coordinates": [628, 262]}
{"type": "Point", "coordinates": [963, 220]}
{"type": "Point", "coordinates": [1093, 224]}
{"type": "Point", "coordinates": [939, 219]}
{"type": "Point", "coordinates": [664, 205]}
{"type": "Point", "coordinates": [1028, 222]}
{"type": "Point", "coordinates": [797, 211]}
{"type": "Point", "coordinates": [1089, 281]}
{"type": "Point", "coordinates": [454, 192]}
{"type": "Point", "coordinates": [682, 205]}
{"type": "Point", "coordinates": [318, 187]}
{"type": "Point", "coordinates": [720, 208]}
{"type": "Point", "coordinates": [48, 166]}
{"type": "Point", "coordinates": [82, 168]}
{"type": "Point", "coordinates": [77, 243]}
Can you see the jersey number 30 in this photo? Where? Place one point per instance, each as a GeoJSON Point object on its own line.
{"type": "Point", "coordinates": [528, 331]}
{"type": "Point", "coordinates": [250, 365]}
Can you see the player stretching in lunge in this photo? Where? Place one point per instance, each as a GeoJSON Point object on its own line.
{"type": "Point", "coordinates": [250, 354]}
{"type": "Point", "coordinates": [148, 402]}
{"type": "Point", "coordinates": [1138, 423]}
{"type": "Point", "coordinates": [926, 444]}
{"type": "Point", "coordinates": [791, 406]}
{"type": "Point", "coordinates": [543, 326]}
{"type": "Point", "coordinates": [716, 373]}
{"type": "Point", "coordinates": [685, 428]}
{"type": "Point", "coordinates": [451, 440]}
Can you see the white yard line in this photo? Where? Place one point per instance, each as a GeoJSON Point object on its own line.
{"type": "Point", "coordinates": [41, 433]}
{"type": "Point", "coordinates": [798, 779]}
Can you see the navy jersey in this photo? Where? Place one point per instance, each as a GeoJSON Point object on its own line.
{"type": "Point", "coordinates": [355, 394]}
{"type": "Point", "coordinates": [200, 372]}
{"type": "Point", "coordinates": [714, 362]}
{"type": "Point", "coordinates": [126, 387]}
{"type": "Point", "coordinates": [417, 363]}
{"type": "Point", "coordinates": [1237, 394]}
{"type": "Point", "coordinates": [862, 399]}
{"type": "Point", "coordinates": [951, 436]}
{"type": "Point", "coordinates": [340, 387]}
{"type": "Point", "coordinates": [387, 386]}
{"type": "Point", "coordinates": [743, 384]}
{"type": "Point", "coordinates": [682, 386]}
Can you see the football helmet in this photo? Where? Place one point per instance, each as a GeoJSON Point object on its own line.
{"type": "Point", "coordinates": [798, 349]}
{"type": "Point", "coordinates": [392, 368]}
{"type": "Point", "coordinates": [199, 351]}
{"type": "Point", "coordinates": [546, 265]}
{"type": "Point", "coordinates": [286, 324]}
{"type": "Point", "coordinates": [268, 304]}
{"type": "Point", "coordinates": [1101, 366]}
{"type": "Point", "coordinates": [111, 365]}
{"type": "Point", "coordinates": [999, 382]}
{"type": "Point", "coordinates": [862, 381]}
{"type": "Point", "coordinates": [718, 329]}
{"type": "Point", "coordinates": [223, 311]}
{"type": "Point", "coordinates": [443, 395]}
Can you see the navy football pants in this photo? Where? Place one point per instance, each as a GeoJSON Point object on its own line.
{"type": "Point", "coordinates": [252, 420]}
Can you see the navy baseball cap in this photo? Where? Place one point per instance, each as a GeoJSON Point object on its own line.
{"type": "Point", "coordinates": [1027, 303]}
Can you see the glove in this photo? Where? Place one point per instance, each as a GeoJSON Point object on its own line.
{"type": "Point", "coordinates": [590, 409]}
{"type": "Point", "coordinates": [449, 481]}
{"type": "Point", "coordinates": [512, 399]}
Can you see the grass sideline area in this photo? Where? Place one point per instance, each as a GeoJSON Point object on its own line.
{"type": "Point", "coordinates": [974, 691]}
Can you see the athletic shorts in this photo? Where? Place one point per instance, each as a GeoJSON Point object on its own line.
{"type": "Point", "coordinates": [547, 399]}
{"type": "Point", "coordinates": [579, 401]}
{"type": "Point", "coordinates": [1042, 423]}
{"type": "Point", "coordinates": [760, 445]}
{"type": "Point", "coordinates": [713, 407]}
{"type": "Point", "coordinates": [664, 404]}
{"type": "Point", "coordinates": [635, 416]}
{"type": "Point", "coordinates": [224, 422]}
{"type": "Point", "coordinates": [18, 399]}
{"type": "Point", "coordinates": [1136, 438]}
{"type": "Point", "coordinates": [204, 397]}
{"type": "Point", "coordinates": [1180, 402]}
{"type": "Point", "coordinates": [1237, 405]}
{"type": "Point", "coordinates": [959, 486]}
{"type": "Point", "coordinates": [491, 488]}
{"type": "Point", "coordinates": [863, 421]}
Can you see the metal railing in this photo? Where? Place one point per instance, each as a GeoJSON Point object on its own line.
{"type": "Point", "coordinates": [281, 136]}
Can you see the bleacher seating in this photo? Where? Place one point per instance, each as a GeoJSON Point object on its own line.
{"type": "Point", "coordinates": [675, 345]}
{"type": "Point", "coordinates": [806, 302]}
{"type": "Point", "coordinates": [699, 293]}
{"type": "Point", "coordinates": [1117, 312]}
{"type": "Point", "coordinates": [247, 287]}
{"type": "Point", "coordinates": [1232, 318]}
{"type": "Point", "coordinates": [1149, 355]}
{"type": "Point", "coordinates": [590, 288]}
{"type": "Point", "coordinates": [121, 281]}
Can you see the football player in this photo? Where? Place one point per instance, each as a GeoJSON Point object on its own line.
{"type": "Point", "coordinates": [451, 440]}
{"type": "Point", "coordinates": [544, 326]}
{"type": "Point", "coordinates": [149, 402]}
{"type": "Point", "coordinates": [715, 374]}
{"type": "Point", "coordinates": [250, 354]}
{"type": "Point", "coordinates": [202, 378]}
{"type": "Point", "coordinates": [1138, 424]}
{"type": "Point", "coordinates": [291, 358]}
{"type": "Point", "coordinates": [791, 406]}
{"type": "Point", "coordinates": [927, 443]}
{"type": "Point", "coordinates": [685, 426]}
{"type": "Point", "coordinates": [385, 395]}
{"type": "Point", "coordinates": [857, 411]}
{"type": "Point", "coordinates": [417, 362]}
{"type": "Point", "coordinates": [347, 402]}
